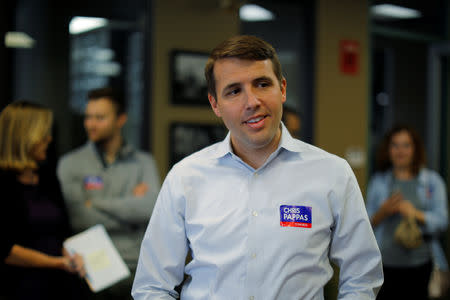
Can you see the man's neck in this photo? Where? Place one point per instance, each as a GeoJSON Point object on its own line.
{"type": "Point", "coordinates": [253, 158]}
{"type": "Point", "coordinates": [111, 147]}
{"type": "Point", "coordinates": [256, 157]}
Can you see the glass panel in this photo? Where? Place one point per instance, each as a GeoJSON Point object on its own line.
{"type": "Point", "coordinates": [111, 55]}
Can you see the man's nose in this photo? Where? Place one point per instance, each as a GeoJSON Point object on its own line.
{"type": "Point", "coordinates": [252, 98]}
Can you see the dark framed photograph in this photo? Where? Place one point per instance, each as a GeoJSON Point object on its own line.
{"type": "Point", "coordinates": [187, 138]}
{"type": "Point", "coordinates": [188, 82]}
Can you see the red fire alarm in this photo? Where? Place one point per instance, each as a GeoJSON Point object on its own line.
{"type": "Point", "coordinates": [349, 57]}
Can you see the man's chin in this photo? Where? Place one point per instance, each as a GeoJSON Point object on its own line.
{"type": "Point", "coordinates": [96, 140]}
{"type": "Point", "coordinates": [100, 141]}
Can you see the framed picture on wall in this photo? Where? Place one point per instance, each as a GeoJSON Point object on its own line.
{"type": "Point", "coordinates": [187, 138]}
{"type": "Point", "coordinates": [188, 82]}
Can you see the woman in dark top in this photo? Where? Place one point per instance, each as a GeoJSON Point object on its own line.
{"type": "Point", "coordinates": [33, 220]}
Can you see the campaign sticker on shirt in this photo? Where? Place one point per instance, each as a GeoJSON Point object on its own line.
{"type": "Point", "coordinates": [295, 216]}
{"type": "Point", "coordinates": [93, 183]}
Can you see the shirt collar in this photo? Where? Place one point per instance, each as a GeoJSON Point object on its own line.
{"type": "Point", "coordinates": [224, 147]}
{"type": "Point", "coordinates": [124, 151]}
{"type": "Point", "coordinates": [287, 142]}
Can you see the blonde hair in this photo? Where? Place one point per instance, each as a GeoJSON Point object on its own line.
{"type": "Point", "coordinates": [22, 126]}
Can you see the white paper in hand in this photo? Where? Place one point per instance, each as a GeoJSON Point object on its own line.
{"type": "Point", "coordinates": [103, 264]}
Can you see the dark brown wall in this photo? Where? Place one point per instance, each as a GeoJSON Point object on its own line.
{"type": "Point", "coordinates": [6, 7]}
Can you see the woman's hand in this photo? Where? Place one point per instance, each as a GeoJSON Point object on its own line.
{"type": "Point", "coordinates": [389, 207]}
{"type": "Point", "coordinates": [407, 209]}
{"type": "Point", "coordinates": [392, 204]}
{"type": "Point", "coordinates": [73, 263]}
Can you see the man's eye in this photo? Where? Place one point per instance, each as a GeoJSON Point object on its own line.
{"type": "Point", "coordinates": [233, 92]}
{"type": "Point", "coordinates": [263, 84]}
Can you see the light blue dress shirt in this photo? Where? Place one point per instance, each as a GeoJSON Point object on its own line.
{"type": "Point", "coordinates": [227, 214]}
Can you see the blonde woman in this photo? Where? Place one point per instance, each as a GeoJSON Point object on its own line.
{"type": "Point", "coordinates": [32, 217]}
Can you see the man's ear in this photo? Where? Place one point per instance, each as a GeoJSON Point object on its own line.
{"type": "Point", "coordinates": [283, 89]}
{"type": "Point", "coordinates": [122, 119]}
{"type": "Point", "coordinates": [214, 106]}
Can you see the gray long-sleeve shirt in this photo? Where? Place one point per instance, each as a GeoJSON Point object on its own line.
{"type": "Point", "coordinates": [85, 176]}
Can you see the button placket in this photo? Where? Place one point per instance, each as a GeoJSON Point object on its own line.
{"type": "Point", "coordinates": [254, 219]}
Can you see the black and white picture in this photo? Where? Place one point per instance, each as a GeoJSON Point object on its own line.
{"type": "Point", "coordinates": [188, 79]}
{"type": "Point", "coordinates": [186, 139]}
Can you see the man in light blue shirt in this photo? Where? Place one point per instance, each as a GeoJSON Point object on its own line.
{"type": "Point", "coordinates": [261, 213]}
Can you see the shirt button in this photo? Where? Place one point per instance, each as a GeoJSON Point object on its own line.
{"type": "Point", "coordinates": [251, 298]}
{"type": "Point", "coordinates": [253, 255]}
{"type": "Point", "coordinates": [255, 174]}
{"type": "Point", "coordinates": [255, 213]}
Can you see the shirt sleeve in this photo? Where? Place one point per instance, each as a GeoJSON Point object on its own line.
{"type": "Point", "coordinates": [436, 216]}
{"type": "Point", "coordinates": [353, 246]}
{"type": "Point", "coordinates": [164, 247]}
{"type": "Point", "coordinates": [133, 209]}
{"type": "Point", "coordinates": [372, 200]}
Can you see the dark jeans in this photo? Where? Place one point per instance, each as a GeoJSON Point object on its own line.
{"type": "Point", "coordinates": [406, 282]}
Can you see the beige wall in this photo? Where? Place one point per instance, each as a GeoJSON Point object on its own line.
{"type": "Point", "coordinates": [341, 112]}
{"type": "Point", "coordinates": [341, 101]}
{"type": "Point", "coordinates": [184, 25]}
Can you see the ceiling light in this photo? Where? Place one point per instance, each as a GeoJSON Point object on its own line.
{"type": "Point", "coordinates": [253, 13]}
{"type": "Point", "coordinates": [82, 24]}
{"type": "Point", "coordinates": [15, 39]}
{"type": "Point", "coordinates": [389, 11]}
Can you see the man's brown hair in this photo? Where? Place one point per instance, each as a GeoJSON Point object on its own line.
{"type": "Point", "coordinates": [242, 47]}
{"type": "Point", "coordinates": [113, 95]}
